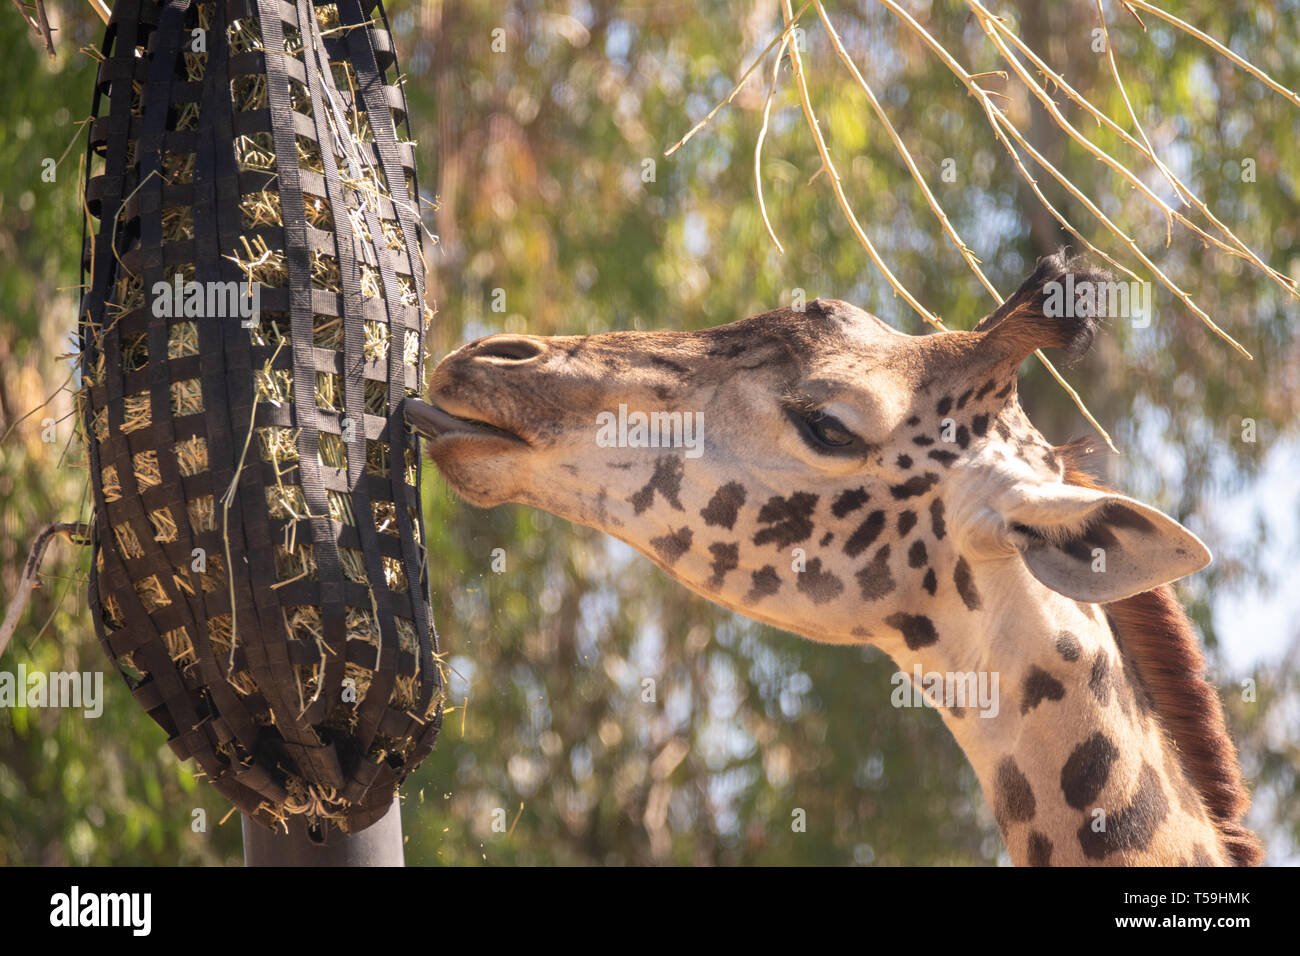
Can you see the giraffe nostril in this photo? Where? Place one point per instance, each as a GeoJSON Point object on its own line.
{"type": "Point", "coordinates": [509, 348]}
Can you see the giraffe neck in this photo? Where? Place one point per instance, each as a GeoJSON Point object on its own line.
{"type": "Point", "coordinates": [1072, 757]}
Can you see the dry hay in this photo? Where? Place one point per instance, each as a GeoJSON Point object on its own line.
{"type": "Point", "coordinates": [137, 412]}
{"type": "Point", "coordinates": [385, 516]}
{"type": "Point", "coordinates": [287, 502]}
{"type": "Point", "coordinates": [340, 507]}
{"type": "Point", "coordinates": [354, 565]}
{"type": "Point", "coordinates": [113, 615]}
{"type": "Point", "coordinates": [332, 452]}
{"type": "Point", "coordinates": [164, 526]}
{"type": "Point", "coordinates": [329, 392]}
{"type": "Point", "coordinates": [263, 209]}
{"type": "Point", "coordinates": [128, 542]}
{"type": "Point", "coordinates": [178, 223]}
{"type": "Point", "coordinates": [179, 647]}
{"type": "Point", "coordinates": [151, 593]}
{"type": "Point", "coordinates": [182, 340]}
{"type": "Point", "coordinates": [192, 456]}
{"type": "Point", "coordinates": [135, 352]}
{"type": "Point", "coordinates": [213, 576]}
{"type": "Point", "coordinates": [177, 168]}
{"type": "Point", "coordinates": [187, 398]}
{"type": "Point", "coordinates": [395, 575]}
{"type": "Point", "coordinates": [112, 487]}
{"type": "Point", "coordinates": [413, 516]}
{"type": "Point", "coordinates": [307, 798]}
{"type": "Point", "coordinates": [135, 674]}
{"type": "Point", "coordinates": [202, 513]}
{"type": "Point", "coordinates": [261, 260]}
{"type": "Point", "coordinates": [293, 564]}
{"type": "Point", "coordinates": [145, 466]}
{"type": "Point", "coordinates": [219, 636]}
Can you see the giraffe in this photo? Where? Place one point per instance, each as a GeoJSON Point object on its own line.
{"type": "Point", "coordinates": [823, 473]}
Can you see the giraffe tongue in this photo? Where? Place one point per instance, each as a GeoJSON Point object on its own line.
{"type": "Point", "coordinates": [432, 421]}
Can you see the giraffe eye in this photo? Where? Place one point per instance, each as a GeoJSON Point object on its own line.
{"type": "Point", "coordinates": [827, 431]}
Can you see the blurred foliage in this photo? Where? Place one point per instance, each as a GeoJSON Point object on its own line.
{"type": "Point", "coordinates": [545, 164]}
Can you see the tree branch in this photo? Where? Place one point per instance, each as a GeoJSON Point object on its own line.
{"type": "Point", "coordinates": [77, 533]}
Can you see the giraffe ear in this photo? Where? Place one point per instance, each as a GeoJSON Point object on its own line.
{"type": "Point", "coordinates": [1097, 546]}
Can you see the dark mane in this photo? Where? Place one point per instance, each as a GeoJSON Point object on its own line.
{"type": "Point", "coordinates": [1155, 633]}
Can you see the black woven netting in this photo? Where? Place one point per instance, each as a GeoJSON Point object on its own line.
{"type": "Point", "coordinates": [253, 320]}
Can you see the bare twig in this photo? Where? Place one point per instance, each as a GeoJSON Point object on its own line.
{"type": "Point", "coordinates": [77, 533]}
{"type": "Point", "coordinates": [1239, 248]}
{"type": "Point", "coordinates": [1292, 286]}
{"type": "Point", "coordinates": [227, 500]}
{"type": "Point", "coordinates": [1128, 105]}
{"type": "Point", "coordinates": [1106, 221]}
{"type": "Point", "coordinates": [828, 165]}
{"type": "Point", "coordinates": [997, 119]}
{"type": "Point", "coordinates": [758, 148]}
{"type": "Point", "coordinates": [34, 14]}
{"type": "Point", "coordinates": [72, 142]}
{"type": "Point", "coordinates": [1129, 7]}
{"type": "Point", "coordinates": [1219, 48]}
{"type": "Point", "coordinates": [77, 578]}
{"type": "Point", "coordinates": [897, 140]}
{"type": "Point", "coordinates": [782, 38]}
{"type": "Point", "coordinates": [1011, 138]}
{"type": "Point", "coordinates": [18, 421]}
{"type": "Point", "coordinates": [937, 209]}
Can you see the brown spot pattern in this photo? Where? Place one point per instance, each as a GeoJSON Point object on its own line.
{"type": "Point", "coordinates": [916, 485]}
{"type": "Point", "coordinates": [917, 629]}
{"type": "Point", "coordinates": [820, 586]}
{"type": "Point", "coordinates": [1132, 827]}
{"type": "Point", "coordinates": [1013, 798]}
{"type": "Point", "coordinates": [1040, 849]}
{"type": "Point", "coordinates": [874, 580]}
{"type": "Point", "coordinates": [666, 480]}
{"type": "Point", "coordinates": [726, 557]}
{"type": "Point", "coordinates": [865, 535]}
{"type": "Point", "coordinates": [789, 519]}
{"type": "Point", "coordinates": [1087, 769]}
{"type": "Point", "coordinates": [1068, 646]}
{"type": "Point", "coordinates": [724, 506]}
{"type": "Point", "coordinates": [1037, 687]}
{"type": "Point", "coordinates": [937, 523]}
{"type": "Point", "coordinates": [961, 576]}
{"type": "Point", "coordinates": [849, 500]}
{"type": "Point", "coordinates": [672, 546]}
{"type": "Point", "coordinates": [764, 583]}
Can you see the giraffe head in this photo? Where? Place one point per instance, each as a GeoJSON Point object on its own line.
{"type": "Point", "coordinates": [815, 470]}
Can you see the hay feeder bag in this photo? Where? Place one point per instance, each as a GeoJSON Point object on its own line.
{"type": "Point", "coordinates": [252, 321]}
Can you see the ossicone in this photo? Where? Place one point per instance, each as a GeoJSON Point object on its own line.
{"type": "Point", "coordinates": [1047, 310]}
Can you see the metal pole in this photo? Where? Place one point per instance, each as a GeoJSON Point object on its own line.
{"type": "Point", "coordinates": [380, 844]}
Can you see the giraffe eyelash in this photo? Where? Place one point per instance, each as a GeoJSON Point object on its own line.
{"type": "Point", "coordinates": [797, 401]}
{"type": "Point", "coordinates": [812, 421]}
